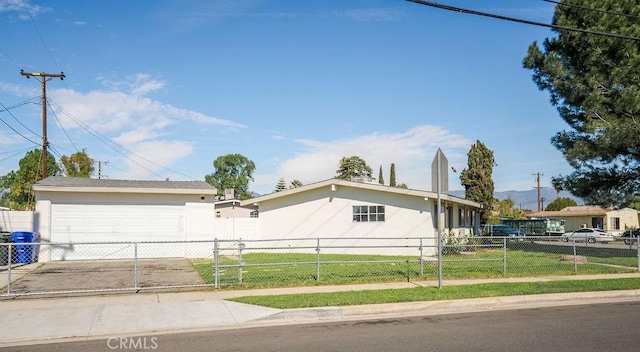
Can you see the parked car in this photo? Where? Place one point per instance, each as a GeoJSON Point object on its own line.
{"type": "Point", "coordinates": [591, 235]}
{"type": "Point", "coordinates": [629, 235]}
{"type": "Point", "coordinates": [502, 230]}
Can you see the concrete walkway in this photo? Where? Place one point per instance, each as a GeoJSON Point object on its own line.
{"type": "Point", "coordinates": [27, 321]}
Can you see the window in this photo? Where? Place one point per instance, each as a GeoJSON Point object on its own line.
{"type": "Point", "coordinates": [368, 213]}
{"type": "Point", "coordinates": [615, 223]}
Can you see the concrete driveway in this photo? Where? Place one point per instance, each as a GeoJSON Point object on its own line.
{"type": "Point", "coordinates": [100, 275]}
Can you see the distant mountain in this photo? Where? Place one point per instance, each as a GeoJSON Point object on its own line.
{"type": "Point", "coordinates": [528, 199]}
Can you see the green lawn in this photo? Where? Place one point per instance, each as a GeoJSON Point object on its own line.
{"type": "Point", "coordinates": [433, 293]}
{"type": "Point", "coordinates": [523, 259]}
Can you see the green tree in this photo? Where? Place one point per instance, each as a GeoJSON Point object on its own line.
{"type": "Point", "coordinates": [78, 164]}
{"type": "Point", "coordinates": [560, 203]}
{"type": "Point", "coordinates": [635, 203]}
{"type": "Point", "coordinates": [593, 81]}
{"type": "Point", "coordinates": [16, 185]}
{"type": "Point", "coordinates": [506, 208]}
{"type": "Point", "coordinates": [403, 185]}
{"type": "Point", "coordinates": [392, 175]}
{"type": "Point", "coordinates": [351, 167]}
{"type": "Point", "coordinates": [477, 176]}
{"type": "Point", "coordinates": [232, 171]}
{"type": "Point", "coordinates": [380, 177]}
{"type": "Point", "coordinates": [295, 184]}
{"type": "Point", "coordinates": [281, 185]}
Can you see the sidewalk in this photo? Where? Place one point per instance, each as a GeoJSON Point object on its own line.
{"type": "Point", "coordinates": [118, 315]}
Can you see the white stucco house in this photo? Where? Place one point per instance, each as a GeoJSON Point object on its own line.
{"type": "Point", "coordinates": [71, 212]}
{"type": "Point", "coordinates": [80, 210]}
{"type": "Point", "coordinates": [337, 208]}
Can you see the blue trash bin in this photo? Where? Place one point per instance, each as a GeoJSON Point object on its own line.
{"type": "Point", "coordinates": [25, 250]}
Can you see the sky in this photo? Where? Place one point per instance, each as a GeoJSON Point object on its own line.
{"type": "Point", "coordinates": [157, 90]}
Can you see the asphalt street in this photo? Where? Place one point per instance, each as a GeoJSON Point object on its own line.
{"type": "Point", "coordinates": [580, 328]}
{"type": "Point", "coordinates": [113, 316]}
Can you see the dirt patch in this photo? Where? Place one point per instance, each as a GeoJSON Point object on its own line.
{"type": "Point", "coordinates": [578, 259]}
{"type": "Point", "coordinates": [106, 275]}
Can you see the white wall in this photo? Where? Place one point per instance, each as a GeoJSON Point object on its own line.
{"type": "Point", "coordinates": [13, 220]}
{"type": "Point", "coordinates": [199, 226]}
{"type": "Point", "coordinates": [237, 228]}
{"type": "Point", "coordinates": [628, 219]}
{"type": "Point", "coordinates": [325, 213]}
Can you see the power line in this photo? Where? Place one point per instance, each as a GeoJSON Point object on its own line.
{"type": "Point", "coordinates": [106, 141]}
{"type": "Point", "coordinates": [20, 122]}
{"type": "Point", "coordinates": [109, 143]}
{"type": "Point", "coordinates": [15, 153]}
{"type": "Point", "coordinates": [14, 106]}
{"type": "Point", "coordinates": [512, 19]}
{"type": "Point", "coordinates": [40, 35]}
{"type": "Point", "coordinates": [13, 129]}
{"type": "Point", "coordinates": [592, 9]}
{"type": "Point", "coordinates": [4, 53]}
{"type": "Point", "coordinates": [61, 127]}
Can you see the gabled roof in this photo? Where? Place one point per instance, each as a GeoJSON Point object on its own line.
{"type": "Point", "coordinates": [365, 186]}
{"type": "Point", "coordinates": [80, 184]}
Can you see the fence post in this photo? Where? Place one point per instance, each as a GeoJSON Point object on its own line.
{"type": "Point", "coordinates": [638, 248]}
{"type": "Point", "coordinates": [575, 260]}
{"type": "Point", "coordinates": [9, 261]}
{"type": "Point", "coordinates": [421, 259]}
{"type": "Point", "coordinates": [216, 269]}
{"type": "Point", "coordinates": [135, 265]}
{"type": "Point", "coordinates": [240, 261]}
{"type": "Point", "coordinates": [504, 257]}
{"type": "Point", "coordinates": [318, 259]}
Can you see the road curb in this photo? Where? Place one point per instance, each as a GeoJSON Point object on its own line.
{"type": "Point", "coordinates": [452, 306]}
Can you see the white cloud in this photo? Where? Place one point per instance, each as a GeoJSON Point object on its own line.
{"type": "Point", "coordinates": [123, 105]}
{"type": "Point", "coordinates": [123, 113]}
{"type": "Point", "coordinates": [7, 138]}
{"type": "Point", "coordinates": [411, 151]}
{"type": "Point", "coordinates": [387, 14]}
{"type": "Point", "coordinates": [22, 6]}
{"type": "Point", "coordinates": [152, 156]}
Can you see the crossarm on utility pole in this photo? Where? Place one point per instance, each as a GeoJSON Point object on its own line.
{"type": "Point", "coordinates": [43, 78]}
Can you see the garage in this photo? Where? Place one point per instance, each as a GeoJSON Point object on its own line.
{"type": "Point", "coordinates": [85, 218]}
{"type": "Point", "coordinates": [108, 223]}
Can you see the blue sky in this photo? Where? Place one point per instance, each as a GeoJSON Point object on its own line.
{"type": "Point", "coordinates": [159, 89]}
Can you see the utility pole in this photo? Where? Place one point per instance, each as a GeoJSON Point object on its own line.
{"type": "Point", "coordinates": [43, 78]}
{"type": "Point", "coordinates": [537, 175]}
{"type": "Point", "coordinates": [100, 168]}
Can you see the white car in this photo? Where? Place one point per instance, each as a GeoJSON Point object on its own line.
{"type": "Point", "coordinates": [591, 235]}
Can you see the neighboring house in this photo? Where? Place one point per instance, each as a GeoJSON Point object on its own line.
{"type": "Point", "coordinates": [345, 209]}
{"type": "Point", "coordinates": [76, 210]}
{"type": "Point", "coordinates": [226, 209]}
{"type": "Point", "coordinates": [614, 221]}
{"type": "Point", "coordinates": [234, 221]}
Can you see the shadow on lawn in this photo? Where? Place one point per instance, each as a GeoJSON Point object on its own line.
{"type": "Point", "coordinates": [590, 250]}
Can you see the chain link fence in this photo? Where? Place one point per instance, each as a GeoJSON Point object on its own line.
{"type": "Point", "coordinates": [71, 268]}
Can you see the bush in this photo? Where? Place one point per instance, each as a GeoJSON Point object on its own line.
{"type": "Point", "coordinates": [453, 243]}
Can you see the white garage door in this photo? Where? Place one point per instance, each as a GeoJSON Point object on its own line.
{"type": "Point", "coordinates": [73, 224]}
